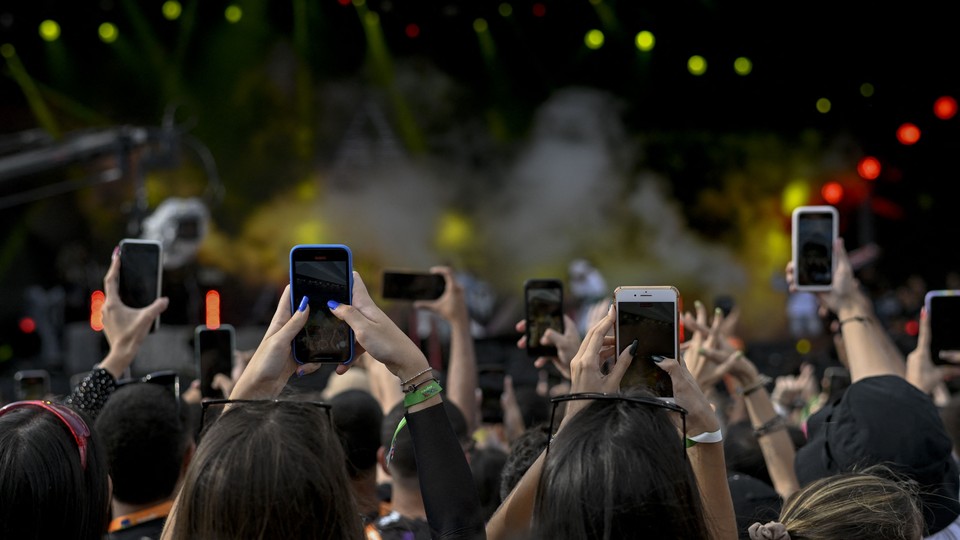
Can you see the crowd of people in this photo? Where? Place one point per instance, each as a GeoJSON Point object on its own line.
{"type": "Point", "coordinates": [396, 448]}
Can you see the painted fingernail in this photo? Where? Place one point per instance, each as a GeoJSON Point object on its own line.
{"type": "Point", "coordinates": [697, 303]}
{"type": "Point", "coordinates": [300, 372]}
{"type": "Point", "coordinates": [717, 311]}
{"type": "Point", "coordinates": [116, 251]}
{"type": "Point", "coordinates": [304, 302]}
{"type": "Point", "coordinates": [657, 358]}
{"type": "Point", "coordinates": [633, 347]}
{"type": "Point", "coordinates": [333, 304]}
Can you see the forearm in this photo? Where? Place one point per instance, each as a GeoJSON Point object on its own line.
{"type": "Point", "coordinates": [462, 370]}
{"type": "Point", "coordinates": [710, 469]}
{"type": "Point", "coordinates": [864, 340]}
{"type": "Point", "coordinates": [776, 445]}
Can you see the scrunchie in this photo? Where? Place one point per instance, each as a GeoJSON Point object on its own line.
{"type": "Point", "coordinates": [770, 531]}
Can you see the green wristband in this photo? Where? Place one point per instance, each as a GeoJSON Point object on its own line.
{"type": "Point", "coordinates": [422, 394]}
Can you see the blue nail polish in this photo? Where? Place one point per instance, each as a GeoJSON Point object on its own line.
{"type": "Point", "coordinates": [657, 358]}
{"type": "Point", "coordinates": [303, 304]}
{"type": "Point", "coordinates": [333, 304]}
{"type": "Point", "coordinates": [300, 372]}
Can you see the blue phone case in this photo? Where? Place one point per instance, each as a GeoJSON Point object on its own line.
{"type": "Point", "coordinates": [295, 300]}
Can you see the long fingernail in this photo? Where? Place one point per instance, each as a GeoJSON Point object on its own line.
{"type": "Point", "coordinates": [333, 304]}
{"type": "Point", "coordinates": [717, 311]}
{"type": "Point", "coordinates": [300, 372]}
{"type": "Point", "coordinates": [304, 302]}
{"type": "Point", "coordinates": [657, 358]}
{"type": "Point", "coordinates": [116, 251]}
{"type": "Point", "coordinates": [633, 347]}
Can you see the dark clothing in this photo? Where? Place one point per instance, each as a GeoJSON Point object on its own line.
{"type": "Point", "coordinates": [93, 392]}
{"type": "Point", "coordinates": [148, 530]}
{"type": "Point", "coordinates": [393, 526]}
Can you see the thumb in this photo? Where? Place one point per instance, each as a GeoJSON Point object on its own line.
{"type": "Point", "coordinates": [296, 322]}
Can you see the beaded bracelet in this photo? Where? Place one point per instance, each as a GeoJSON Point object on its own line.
{"type": "Point", "coordinates": [774, 424]}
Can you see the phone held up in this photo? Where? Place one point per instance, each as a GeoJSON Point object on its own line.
{"type": "Point", "coordinates": [814, 229]}
{"type": "Point", "coordinates": [650, 316]}
{"type": "Point", "coordinates": [543, 299]}
{"type": "Point", "coordinates": [943, 312]}
{"type": "Point", "coordinates": [322, 272]}
{"type": "Point", "coordinates": [401, 285]}
{"type": "Point", "coordinates": [213, 354]}
{"type": "Point", "coordinates": [141, 271]}
{"type": "Point", "coordinates": [32, 384]}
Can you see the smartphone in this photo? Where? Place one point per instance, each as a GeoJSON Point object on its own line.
{"type": "Point", "coordinates": [838, 379]}
{"type": "Point", "coordinates": [943, 311]}
{"type": "Point", "coordinates": [650, 315]}
{"type": "Point", "coordinates": [322, 272]}
{"type": "Point", "coordinates": [490, 382]}
{"type": "Point", "coordinates": [213, 353]}
{"type": "Point", "coordinates": [140, 273]}
{"type": "Point", "coordinates": [32, 384]}
{"type": "Point", "coordinates": [544, 310]}
{"type": "Point", "coordinates": [814, 229]}
{"type": "Point", "coordinates": [400, 285]}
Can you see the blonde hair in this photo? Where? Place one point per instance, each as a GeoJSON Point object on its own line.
{"type": "Point", "coordinates": [875, 503]}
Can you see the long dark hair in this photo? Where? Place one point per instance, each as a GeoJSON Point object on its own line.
{"type": "Point", "coordinates": [45, 492]}
{"type": "Point", "coordinates": [268, 470]}
{"type": "Point", "coordinates": [617, 471]}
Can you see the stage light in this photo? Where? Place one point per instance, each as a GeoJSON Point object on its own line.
{"type": "Point", "coordinates": [233, 13]}
{"type": "Point", "coordinates": [96, 310]}
{"type": "Point", "coordinates": [823, 105]}
{"type": "Point", "coordinates": [539, 9]}
{"type": "Point", "coordinates": [27, 325]}
{"type": "Point", "coordinates": [213, 310]}
{"type": "Point", "coordinates": [505, 10]}
{"type": "Point", "coordinates": [697, 65]}
{"type": "Point", "coordinates": [171, 10]}
{"type": "Point", "coordinates": [912, 328]}
{"type": "Point", "coordinates": [945, 107]}
{"type": "Point", "coordinates": [803, 346]}
{"type": "Point", "coordinates": [372, 18]}
{"type": "Point", "coordinates": [108, 32]}
{"type": "Point", "coordinates": [795, 194]}
{"type": "Point", "coordinates": [908, 133]}
{"type": "Point", "coordinates": [869, 168]}
{"type": "Point", "coordinates": [6, 352]}
{"type": "Point", "coordinates": [866, 90]}
{"type": "Point", "coordinates": [7, 50]}
{"type": "Point", "coordinates": [412, 30]}
{"type": "Point", "coordinates": [832, 192]}
{"type": "Point", "coordinates": [344, 2]}
{"type": "Point", "coordinates": [742, 66]}
{"type": "Point", "coordinates": [49, 30]}
{"type": "Point", "coordinates": [480, 25]}
{"type": "Point", "coordinates": [454, 231]}
{"type": "Point", "coordinates": [593, 39]}
{"type": "Point", "coordinates": [645, 40]}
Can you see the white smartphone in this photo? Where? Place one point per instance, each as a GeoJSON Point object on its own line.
{"type": "Point", "coordinates": [813, 232]}
{"type": "Point", "coordinates": [141, 272]}
{"type": "Point", "coordinates": [651, 316]}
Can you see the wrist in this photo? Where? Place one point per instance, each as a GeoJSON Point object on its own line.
{"type": "Point", "coordinates": [116, 363]}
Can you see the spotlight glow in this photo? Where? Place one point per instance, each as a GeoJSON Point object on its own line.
{"type": "Point", "coordinates": [171, 10]}
{"type": "Point", "coordinates": [7, 50]}
{"type": "Point", "coordinates": [945, 107]}
{"type": "Point", "coordinates": [869, 168]}
{"type": "Point", "coordinates": [832, 192]}
{"type": "Point", "coordinates": [233, 14]}
{"type": "Point", "coordinates": [697, 65]}
{"type": "Point", "coordinates": [823, 105]}
{"type": "Point", "coordinates": [645, 40]}
{"type": "Point", "coordinates": [593, 39]}
{"type": "Point", "coordinates": [505, 10]}
{"type": "Point", "coordinates": [480, 26]}
{"type": "Point", "coordinates": [539, 9]}
{"type": "Point", "coordinates": [866, 90]}
{"type": "Point", "coordinates": [412, 30]}
{"type": "Point", "coordinates": [49, 30]}
{"type": "Point", "coordinates": [908, 133]}
{"type": "Point", "coordinates": [742, 66]}
{"type": "Point", "coordinates": [108, 32]}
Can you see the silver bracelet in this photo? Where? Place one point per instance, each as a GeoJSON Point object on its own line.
{"type": "Point", "coordinates": [406, 382]}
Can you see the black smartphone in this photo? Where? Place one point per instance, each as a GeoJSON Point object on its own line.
{"type": "Point", "coordinates": [838, 380]}
{"type": "Point", "coordinates": [943, 311]}
{"type": "Point", "coordinates": [814, 229]}
{"type": "Point", "coordinates": [490, 381]}
{"type": "Point", "coordinates": [400, 285]}
{"type": "Point", "coordinates": [213, 353]}
{"type": "Point", "coordinates": [648, 315]}
{"type": "Point", "coordinates": [322, 272]}
{"type": "Point", "coordinates": [140, 273]}
{"type": "Point", "coordinates": [32, 384]}
{"type": "Point", "coordinates": [543, 299]}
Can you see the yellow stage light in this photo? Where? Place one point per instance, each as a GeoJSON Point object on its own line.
{"type": "Point", "coordinates": [171, 10]}
{"type": "Point", "coordinates": [233, 13]}
{"type": "Point", "coordinates": [49, 30]}
{"type": "Point", "coordinates": [645, 40]}
{"type": "Point", "coordinates": [594, 39]}
{"type": "Point", "coordinates": [697, 65]}
{"type": "Point", "coordinates": [742, 65]}
{"type": "Point", "coordinates": [108, 32]}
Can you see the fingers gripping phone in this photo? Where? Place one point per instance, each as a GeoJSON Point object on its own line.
{"type": "Point", "coordinates": [322, 272]}
{"type": "Point", "coordinates": [813, 232]}
{"type": "Point", "coordinates": [544, 310]}
{"type": "Point", "coordinates": [649, 315]}
{"type": "Point", "coordinates": [140, 273]}
{"type": "Point", "coordinates": [943, 311]}
{"type": "Point", "coordinates": [32, 384]}
{"type": "Point", "coordinates": [399, 285]}
{"type": "Point", "coordinates": [213, 354]}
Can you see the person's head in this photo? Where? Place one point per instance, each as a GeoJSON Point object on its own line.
{"type": "Point", "coordinates": [146, 436]}
{"type": "Point", "coordinates": [742, 451]}
{"type": "Point", "coordinates": [402, 464]}
{"type": "Point", "coordinates": [268, 470]}
{"type": "Point", "coordinates": [950, 414]}
{"type": "Point", "coordinates": [486, 465]}
{"type": "Point", "coordinates": [358, 418]}
{"type": "Point", "coordinates": [524, 450]}
{"type": "Point", "coordinates": [619, 470]}
{"type": "Point", "coordinates": [874, 504]}
{"type": "Point", "coordinates": [51, 486]}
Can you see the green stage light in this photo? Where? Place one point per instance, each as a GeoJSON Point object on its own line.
{"type": "Point", "coordinates": [233, 13]}
{"type": "Point", "coordinates": [171, 10]}
{"type": "Point", "coordinates": [823, 105]}
{"type": "Point", "coordinates": [866, 90]}
{"type": "Point", "coordinates": [697, 65]}
{"type": "Point", "coordinates": [742, 65]}
{"type": "Point", "coordinates": [480, 26]}
{"type": "Point", "coordinates": [505, 10]}
{"type": "Point", "coordinates": [594, 39]}
{"type": "Point", "coordinates": [645, 40]}
{"type": "Point", "coordinates": [49, 30]}
{"type": "Point", "coordinates": [7, 50]}
{"type": "Point", "coordinates": [108, 32]}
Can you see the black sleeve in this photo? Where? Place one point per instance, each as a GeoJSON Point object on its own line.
{"type": "Point", "coordinates": [92, 393]}
{"type": "Point", "coordinates": [450, 495]}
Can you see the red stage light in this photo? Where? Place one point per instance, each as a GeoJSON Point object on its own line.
{"type": "Point", "coordinates": [539, 9]}
{"type": "Point", "coordinates": [945, 107]}
{"type": "Point", "coordinates": [912, 328]}
{"type": "Point", "coordinates": [869, 168]}
{"type": "Point", "coordinates": [213, 310]}
{"type": "Point", "coordinates": [344, 2]}
{"type": "Point", "coordinates": [832, 192]}
{"type": "Point", "coordinates": [908, 133]}
{"type": "Point", "coordinates": [27, 325]}
{"type": "Point", "coordinates": [96, 310]}
{"type": "Point", "coordinates": [412, 30]}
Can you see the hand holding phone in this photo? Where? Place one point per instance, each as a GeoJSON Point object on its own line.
{"type": "Point", "coordinates": [213, 354]}
{"type": "Point", "coordinates": [543, 299]}
{"type": "Point", "coordinates": [322, 272]}
{"type": "Point", "coordinates": [140, 273]}
{"type": "Point", "coordinates": [814, 229]}
{"type": "Point", "coordinates": [402, 285]}
{"type": "Point", "coordinates": [648, 315]}
{"type": "Point", "coordinates": [943, 312]}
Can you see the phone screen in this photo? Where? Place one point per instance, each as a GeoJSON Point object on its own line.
{"type": "Point", "coordinates": [33, 384]}
{"type": "Point", "coordinates": [139, 272]}
{"type": "Point", "coordinates": [654, 326]}
{"type": "Point", "coordinates": [412, 285]}
{"type": "Point", "coordinates": [544, 305]}
{"type": "Point", "coordinates": [214, 354]}
{"type": "Point", "coordinates": [814, 264]}
{"type": "Point", "coordinates": [943, 309]}
{"type": "Point", "coordinates": [322, 273]}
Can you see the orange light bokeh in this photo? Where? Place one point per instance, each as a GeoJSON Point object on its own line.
{"type": "Point", "coordinates": [945, 107]}
{"type": "Point", "coordinates": [832, 192]}
{"type": "Point", "coordinates": [869, 168]}
{"type": "Point", "coordinates": [908, 133]}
